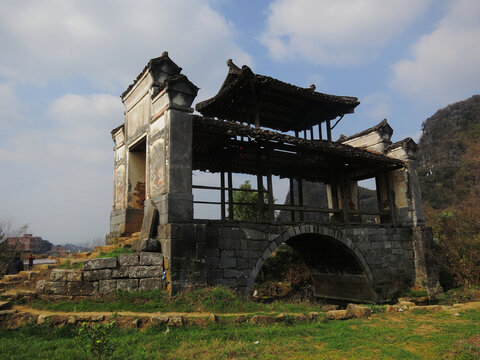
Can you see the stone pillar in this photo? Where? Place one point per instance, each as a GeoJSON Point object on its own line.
{"type": "Point", "coordinates": [409, 209]}
{"type": "Point", "coordinates": [405, 185]}
{"type": "Point", "coordinates": [170, 183]}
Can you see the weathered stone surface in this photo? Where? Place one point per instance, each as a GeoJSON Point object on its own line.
{"type": "Point", "coordinates": [360, 312]}
{"type": "Point", "coordinates": [40, 287]}
{"type": "Point", "coordinates": [149, 284]}
{"type": "Point", "coordinates": [74, 275]}
{"type": "Point", "coordinates": [145, 271]}
{"type": "Point", "coordinates": [58, 275]}
{"type": "Point", "coordinates": [159, 320]}
{"type": "Point", "coordinates": [128, 259]}
{"type": "Point", "coordinates": [127, 284]}
{"type": "Point", "coordinates": [176, 321]}
{"type": "Point", "coordinates": [95, 275]}
{"type": "Point", "coordinates": [213, 318]}
{"type": "Point", "coordinates": [150, 258]}
{"type": "Point", "coordinates": [97, 264]}
{"type": "Point", "coordinates": [72, 320]}
{"type": "Point", "coordinates": [336, 315]}
{"type": "Point", "coordinates": [80, 288]}
{"type": "Point", "coordinates": [121, 272]}
{"type": "Point", "coordinates": [312, 315]}
{"type": "Point", "coordinates": [148, 245]}
{"type": "Point", "coordinates": [262, 319]}
{"type": "Point", "coordinates": [107, 286]}
{"type": "Point", "coordinates": [55, 287]}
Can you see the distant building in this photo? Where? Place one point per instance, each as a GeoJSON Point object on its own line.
{"type": "Point", "coordinates": [29, 243]}
{"type": "Point", "coordinates": [58, 250]}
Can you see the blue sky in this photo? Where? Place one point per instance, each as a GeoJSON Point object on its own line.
{"type": "Point", "coordinates": [64, 64]}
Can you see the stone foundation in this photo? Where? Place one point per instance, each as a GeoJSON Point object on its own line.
{"type": "Point", "coordinates": [142, 271]}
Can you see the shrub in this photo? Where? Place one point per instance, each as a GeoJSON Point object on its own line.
{"type": "Point", "coordinates": [458, 238]}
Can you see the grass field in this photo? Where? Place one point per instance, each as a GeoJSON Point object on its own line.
{"type": "Point", "coordinates": [415, 335]}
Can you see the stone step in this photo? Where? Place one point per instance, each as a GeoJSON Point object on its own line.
{"type": "Point", "coordinates": [136, 234]}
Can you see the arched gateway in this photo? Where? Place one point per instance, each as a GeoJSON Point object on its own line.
{"type": "Point", "coordinates": [274, 131]}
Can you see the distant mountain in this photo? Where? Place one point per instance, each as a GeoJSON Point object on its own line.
{"type": "Point", "coordinates": [448, 155]}
{"type": "Point", "coordinates": [76, 248]}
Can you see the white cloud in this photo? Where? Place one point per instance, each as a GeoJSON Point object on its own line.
{"type": "Point", "coordinates": [60, 176]}
{"type": "Point", "coordinates": [109, 42]}
{"type": "Point", "coordinates": [340, 32]}
{"type": "Point", "coordinates": [375, 106]}
{"type": "Point", "coordinates": [445, 63]}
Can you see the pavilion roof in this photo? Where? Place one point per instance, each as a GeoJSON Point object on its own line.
{"type": "Point", "coordinates": [279, 105]}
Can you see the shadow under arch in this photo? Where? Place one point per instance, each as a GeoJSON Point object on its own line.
{"type": "Point", "coordinates": [338, 269]}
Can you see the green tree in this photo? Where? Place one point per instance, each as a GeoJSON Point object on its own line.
{"type": "Point", "coordinates": [246, 203]}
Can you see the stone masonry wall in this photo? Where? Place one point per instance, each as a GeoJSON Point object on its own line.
{"type": "Point", "coordinates": [234, 253]}
{"type": "Point", "coordinates": [142, 271]}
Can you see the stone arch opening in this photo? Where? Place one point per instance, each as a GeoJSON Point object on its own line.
{"type": "Point", "coordinates": [337, 268]}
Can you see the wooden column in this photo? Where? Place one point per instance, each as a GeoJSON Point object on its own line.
{"type": "Point", "coordinates": [300, 197]}
{"type": "Point", "coordinates": [344, 201]}
{"type": "Point", "coordinates": [329, 131]}
{"type": "Point", "coordinates": [230, 196]}
{"type": "Point", "coordinates": [271, 209]}
{"type": "Point", "coordinates": [222, 195]}
{"type": "Point", "coordinates": [260, 196]}
{"type": "Point", "coordinates": [320, 131]}
{"type": "Point", "coordinates": [292, 200]}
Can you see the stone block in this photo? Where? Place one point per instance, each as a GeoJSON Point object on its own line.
{"type": "Point", "coordinates": [159, 320]}
{"type": "Point", "coordinates": [127, 284]}
{"type": "Point", "coordinates": [107, 286]}
{"type": "Point", "coordinates": [56, 287]}
{"type": "Point", "coordinates": [262, 319]}
{"type": "Point", "coordinates": [148, 245]}
{"type": "Point", "coordinates": [80, 288]}
{"type": "Point", "coordinates": [149, 284]}
{"type": "Point", "coordinates": [232, 273]}
{"type": "Point", "coordinates": [213, 252]}
{"type": "Point", "coordinates": [128, 259]}
{"type": "Point", "coordinates": [176, 321]}
{"type": "Point", "coordinates": [74, 275]}
{"type": "Point", "coordinates": [240, 319]}
{"type": "Point", "coordinates": [227, 262]}
{"type": "Point", "coordinates": [121, 272]}
{"type": "Point", "coordinates": [95, 275]}
{"type": "Point", "coordinates": [58, 275]}
{"type": "Point", "coordinates": [360, 312]}
{"type": "Point", "coordinates": [145, 271]}
{"type": "Point", "coordinates": [336, 315]}
{"type": "Point", "coordinates": [40, 287]}
{"type": "Point", "coordinates": [149, 258]}
{"type": "Point", "coordinates": [97, 264]}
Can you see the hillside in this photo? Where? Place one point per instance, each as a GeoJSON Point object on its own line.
{"type": "Point", "coordinates": [448, 156]}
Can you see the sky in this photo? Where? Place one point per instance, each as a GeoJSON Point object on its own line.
{"type": "Point", "coordinates": [64, 63]}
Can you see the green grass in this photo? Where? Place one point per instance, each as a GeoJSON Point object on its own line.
{"type": "Point", "coordinates": [459, 295]}
{"type": "Point", "coordinates": [116, 252]}
{"type": "Point", "coordinates": [217, 300]}
{"type": "Point", "coordinates": [71, 265]}
{"type": "Point", "coordinates": [400, 336]}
